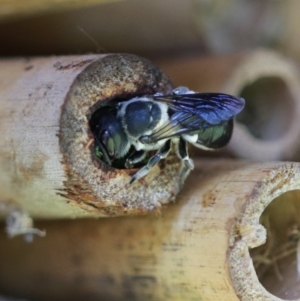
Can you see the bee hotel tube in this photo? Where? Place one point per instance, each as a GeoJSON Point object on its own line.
{"type": "Point", "coordinates": [197, 250]}
{"type": "Point", "coordinates": [268, 127]}
{"type": "Point", "coordinates": [48, 167]}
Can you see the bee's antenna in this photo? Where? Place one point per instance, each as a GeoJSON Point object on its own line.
{"type": "Point", "coordinates": [98, 49]}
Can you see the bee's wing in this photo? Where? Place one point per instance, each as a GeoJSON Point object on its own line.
{"type": "Point", "coordinates": [210, 107]}
{"type": "Point", "coordinates": [197, 111]}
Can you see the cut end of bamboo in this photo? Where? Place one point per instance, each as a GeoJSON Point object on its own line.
{"type": "Point", "coordinates": [277, 262]}
{"type": "Point", "coordinates": [259, 239]}
{"type": "Point", "coordinates": [267, 129]}
{"type": "Point", "coordinates": [91, 184]}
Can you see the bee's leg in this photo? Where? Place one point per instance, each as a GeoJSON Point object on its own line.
{"type": "Point", "coordinates": [134, 158]}
{"type": "Point", "coordinates": [161, 154]}
{"type": "Point", "coordinates": [187, 163]}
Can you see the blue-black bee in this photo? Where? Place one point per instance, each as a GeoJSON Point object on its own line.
{"type": "Point", "coordinates": [130, 130]}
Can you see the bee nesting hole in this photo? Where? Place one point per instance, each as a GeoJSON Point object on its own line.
{"type": "Point", "coordinates": [277, 262]}
{"type": "Point", "coordinates": [90, 183]}
{"type": "Point", "coordinates": [268, 109]}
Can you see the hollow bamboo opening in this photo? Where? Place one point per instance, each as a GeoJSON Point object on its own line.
{"type": "Point", "coordinates": [268, 109]}
{"type": "Point", "coordinates": [277, 262]}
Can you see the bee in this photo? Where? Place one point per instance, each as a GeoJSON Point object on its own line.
{"type": "Point", "coordinates": [145, 127]}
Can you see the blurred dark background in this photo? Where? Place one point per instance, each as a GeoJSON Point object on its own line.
{"type": "Point", "coordinates": [152, 28]}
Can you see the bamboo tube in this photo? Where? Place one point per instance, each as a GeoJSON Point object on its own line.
{"type": "Point", "coordinates": [268, 128]}
{"type": "Point", "coordinates": [197, 250]}
{"type": "Point", "coordinates": [48, 166]}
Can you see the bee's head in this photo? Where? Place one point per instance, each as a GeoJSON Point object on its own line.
{"type": "Point", "coordinates": [110, 138]}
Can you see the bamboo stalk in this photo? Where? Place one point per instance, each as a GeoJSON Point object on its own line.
{"type": "Point", "coordinates": [197, 250]}
{"type": "Point", "coordinates": [48, 167]}
{"type": "Point", "coordinates": [32, 92]}
{"type": "Point", "coordinates": [268, 128]}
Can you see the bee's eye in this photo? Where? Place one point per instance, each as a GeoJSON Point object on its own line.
{"type": "Point", "coordinates": [105, 137]}
{"type": "Point", "coordinates": [108, 142]}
